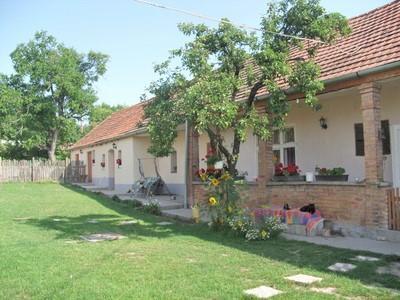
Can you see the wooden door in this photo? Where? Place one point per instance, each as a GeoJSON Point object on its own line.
{"type": "Point", "coordinates": [89, 166]}
{"type": "Point", "coordinates": [111, 170]}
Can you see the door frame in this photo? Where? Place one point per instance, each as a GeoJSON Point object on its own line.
{"type": "Point", "coordinates": [90, 166]}
{"type": "Point", "coordinates": [111, 169]}
{"type": "Point", "coordinates": [395, 150]}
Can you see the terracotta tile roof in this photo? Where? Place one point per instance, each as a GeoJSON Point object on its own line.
{"type": "Point", "coordinates": [116, 125]}
{"type": "Point", "coordinates": [374, 41]}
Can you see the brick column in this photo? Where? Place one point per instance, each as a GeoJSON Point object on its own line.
{"type": "Point", "coordinates": [371, 114]}
{"type": "Point", "coordinates": [265, 162]}
{"type": "Point", "coordinates": [193, 162]}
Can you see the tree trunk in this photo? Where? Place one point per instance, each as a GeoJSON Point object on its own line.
{"type": "Point", "coordinates": [53, 144]}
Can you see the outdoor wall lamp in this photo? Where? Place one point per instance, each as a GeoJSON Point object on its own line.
{"type": "Point", "coordinates": [114, 145]}
{"type": "Point", "coordinates": [81, 151]}
{"type": "Point", "coordinates": [322, 123]}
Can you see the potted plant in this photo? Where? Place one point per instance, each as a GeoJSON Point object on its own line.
{"type": "Point", "coordinates": [119, 162]}
{"type": "Point", "coordinates": [335, 174]}
{"type": "Point", "coordinates": [290, 172]}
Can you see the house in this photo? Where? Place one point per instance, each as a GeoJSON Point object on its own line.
{"type": "Point", "coordinates": [358, 128]}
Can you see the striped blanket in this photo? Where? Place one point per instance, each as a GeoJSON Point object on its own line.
{"type": "Point", "coordinates": [292, 216]}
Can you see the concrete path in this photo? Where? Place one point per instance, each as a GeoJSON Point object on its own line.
{"type": "Point", "coordinates": [361, 244]}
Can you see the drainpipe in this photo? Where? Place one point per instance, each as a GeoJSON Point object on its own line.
{"type": "Point", "coordinates": [186, 196]}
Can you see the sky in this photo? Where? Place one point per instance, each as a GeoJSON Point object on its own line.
{"type": "Point", "coordinates": [135, 36]}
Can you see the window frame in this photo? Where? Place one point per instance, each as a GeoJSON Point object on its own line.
{"type": "Point", "coordinates": [282, 146]}
{"type": "Point", "coordinates": [359, 144]}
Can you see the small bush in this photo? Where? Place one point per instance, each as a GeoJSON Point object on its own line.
{"type": "Point", "coordinates": [153, 207]}
{"type": "Point", "coordinates": [263, 229]}
{"type": "Point", "coordinates": [116, 198]}
{"type": "Point", "coordinates": [136, 203]}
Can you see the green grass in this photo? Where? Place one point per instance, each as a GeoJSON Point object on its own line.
{"type": "Point", "coordinates": [182, 261]}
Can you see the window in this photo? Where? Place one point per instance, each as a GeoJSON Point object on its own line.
{"type": "Point", "coordinates": [120, 154]}
{"type": "Point", "coordinates": [103, 158]}
{"type": "Point", "coordinates": [174, 162]}
{"type": "Point", "coordinates": [359, 138]}
{"type": "Point", "coordinates": [93, 156]}
{"type": "Point", "coordinates": [284, 148]}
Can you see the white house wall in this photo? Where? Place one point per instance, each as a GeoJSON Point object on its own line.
{"type": "Point", "coordinates": [248, 157]}
{"type": "Point", "coordinates": [328, 148]}
{"type": "Point", "coordinates": [335, 146]}
{"type": "Point", "coordinates": [174, 181]}
{"type": "Point", "coordinates": [124, 174]}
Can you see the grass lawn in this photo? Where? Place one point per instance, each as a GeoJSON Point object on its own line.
{"type": "Point", "coordinates": [44, 259]}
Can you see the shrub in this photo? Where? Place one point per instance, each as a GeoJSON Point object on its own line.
{"type": "Point", "coordinates": [251, 230]}
{"type": "Point", "coordinates": [152, 207]}
{"type": "Point", "coordinates": [116, 198]}
{"type": "Point", "coordinates": [136, 203]}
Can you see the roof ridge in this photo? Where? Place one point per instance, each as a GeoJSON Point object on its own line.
{"type": "Point", "coordinates": [373, 10]}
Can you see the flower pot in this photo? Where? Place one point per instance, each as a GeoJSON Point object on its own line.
{"type": "Point", "coordinates": [196, 214]}
{"type": "Point", "coordinates": [331, 177]}
{"type": "Point", "coordinates": [289, 178]}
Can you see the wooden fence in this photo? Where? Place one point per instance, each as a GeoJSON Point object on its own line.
{"type": "Point", "coordinates": [394, 208]}
{"type": "Point", "coordinates": [39, 171]}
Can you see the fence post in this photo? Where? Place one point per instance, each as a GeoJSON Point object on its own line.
{"type": "Point", "coordinates": [65, 169]}
{"type": "Point", "coordinates": [32, 162]}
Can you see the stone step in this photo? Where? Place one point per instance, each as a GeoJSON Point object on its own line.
{"type": "Point", "coordinates": [165, 202]}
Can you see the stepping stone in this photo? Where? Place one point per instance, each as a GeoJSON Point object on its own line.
{"type": "Point", "coordinates": [327, 290]}
{"type": "Point", "coordinates": [365, 258]}
{"type": "Point", "coordinates": [262, 292]}
{"type": "Point", "coordinates": [130, 222]}
{"type": "Point", "coordinates": [391, 269]}
{"type": "Point", "coordinates": [60, 220]}
{"type": "Point", "coordinates": [99, 237]}
{"type": "Point", "coordinates": [342, 267]}
{"type": "Point", "coordinates": [305, 279]}
{"type": "Point", "coordinates": [93, 221]}
{"type": "Point", "coordinates": [164, 223]}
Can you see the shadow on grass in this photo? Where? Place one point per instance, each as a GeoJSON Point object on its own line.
{"type": "Point", "coordinates": [299, 254]}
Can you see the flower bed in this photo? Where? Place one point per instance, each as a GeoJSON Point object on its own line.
{"type": "Point", "coordinates": [223, 206]}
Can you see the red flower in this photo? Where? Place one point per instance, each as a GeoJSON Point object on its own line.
{"type": "Point", "coordinates": [119, 161]}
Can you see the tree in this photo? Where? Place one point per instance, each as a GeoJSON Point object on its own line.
{"type": "Point", "coordinates": [52, 88]}
{"type": "Point", "coordinates": [102, 111]}
{"type": "Point", "coordinates": [201, 81]}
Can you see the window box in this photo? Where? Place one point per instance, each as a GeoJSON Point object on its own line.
{"type": "Point", "coordinates": [289, 178]}
{"type": "Point", "coordinates": [331, 177]}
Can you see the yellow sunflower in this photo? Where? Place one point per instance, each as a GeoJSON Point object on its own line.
{"type": "Point", "coordinates": [212, 201]}
{"type": "Point", "coordinates": [215, 182]}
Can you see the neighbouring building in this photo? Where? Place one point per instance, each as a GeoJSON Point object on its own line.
{"type": "Point", "coordinates": [358, 128]}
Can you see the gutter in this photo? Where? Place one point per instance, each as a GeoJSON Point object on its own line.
{"type": "Point", "coordinates": [127, 134]}
{"type": "Point", "coordinates": [350, 76]}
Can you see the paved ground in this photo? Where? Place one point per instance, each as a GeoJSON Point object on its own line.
{"type": "Point", "coordinates": [362, 244]}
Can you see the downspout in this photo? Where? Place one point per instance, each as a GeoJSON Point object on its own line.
{"type": "Point", "coordinates": [186, 196]}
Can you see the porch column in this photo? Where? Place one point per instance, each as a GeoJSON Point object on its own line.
{"type": "Point", "coordinates": [265, 162]}
{"type": "Point", "coordinates": [371, 114]}
{"type": "Point", "coordinates": [193, 162]}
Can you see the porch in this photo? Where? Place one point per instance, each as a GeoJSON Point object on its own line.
{"type": "Point", "coordinates": [357, 129]}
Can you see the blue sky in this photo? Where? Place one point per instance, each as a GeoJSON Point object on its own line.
{"type": "Point", "coordinates": [135, 36]}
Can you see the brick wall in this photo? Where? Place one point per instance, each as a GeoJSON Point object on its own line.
{"type": "Point", "coordinates": [363, 205]}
